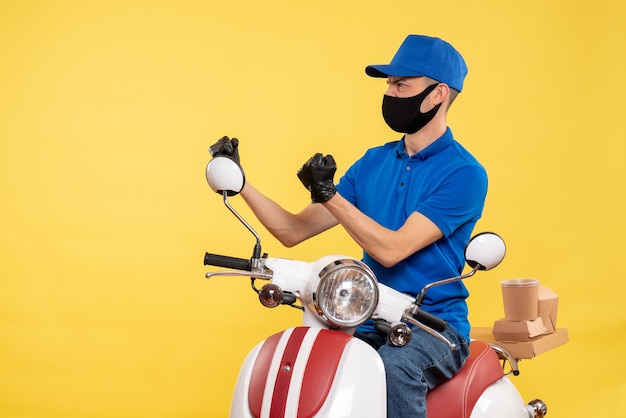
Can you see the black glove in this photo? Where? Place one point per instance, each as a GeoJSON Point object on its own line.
{"type": "Point", "coordinates": [226, 147]}
{"type": "Point", "coordinates": [317, 176]}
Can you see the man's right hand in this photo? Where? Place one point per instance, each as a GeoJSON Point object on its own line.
{"type": "Point", "coordinates": [226, 147]}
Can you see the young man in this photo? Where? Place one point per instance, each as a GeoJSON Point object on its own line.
{"type": "Point", "coordinates": [411, 204]}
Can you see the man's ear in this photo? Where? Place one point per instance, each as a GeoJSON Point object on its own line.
{"type": "Point", "coordinates": [441, 93]}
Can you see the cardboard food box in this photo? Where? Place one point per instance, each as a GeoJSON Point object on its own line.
{"type": "Point", "coordinates": [524, 349]}
{"type": "Point", "coordinates": [504, 330]}
{"type": "Point", "coordinates": [548, 306]}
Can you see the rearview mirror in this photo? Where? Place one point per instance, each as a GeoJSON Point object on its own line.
{"type": "Point", "coordinates": [225, 176]}
{"type": "Point", "coordinates": [485, 251]}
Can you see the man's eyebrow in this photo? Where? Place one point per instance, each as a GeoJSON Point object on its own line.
{"type": "Point", "coordinates": [393, 80]}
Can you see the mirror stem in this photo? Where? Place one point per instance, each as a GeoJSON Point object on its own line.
{"type": "Point", "coordinates": [256, 254]}
{"type": "Point", "coordinates": [422, 295]}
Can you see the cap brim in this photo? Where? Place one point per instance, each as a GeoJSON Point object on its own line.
{"type": "Point", "coordinates": [375, 71]}
{"type": "Point", "coordinates": [386, 70]}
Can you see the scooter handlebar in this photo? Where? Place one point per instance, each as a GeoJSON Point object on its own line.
{"type": "Point", "coordinates": [431, 320]}
{"type": "Point", "coordinates": [227, 262]}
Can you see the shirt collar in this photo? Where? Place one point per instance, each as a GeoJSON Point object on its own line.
{"type": "Point", "coordinates": [435, 148]}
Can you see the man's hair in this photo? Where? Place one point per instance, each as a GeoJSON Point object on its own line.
{"type": "Point", "coordinates": [452, 95]}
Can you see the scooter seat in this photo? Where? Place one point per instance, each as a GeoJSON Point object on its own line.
{"type": "Point", "coordinates": [456, 397]}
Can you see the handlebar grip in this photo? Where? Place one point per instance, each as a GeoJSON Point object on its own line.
{"type": "Point", "coordinates": [226, 262]}
{"type": "Point", "coordinates": [383, 326]}
{"type": "Point", "coordinates": [431, 320]}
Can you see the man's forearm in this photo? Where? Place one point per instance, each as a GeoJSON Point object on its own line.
{"type": "Point", "coordinates": [387, 246]}
{"type": "Point", "coordinates": [290, 229]}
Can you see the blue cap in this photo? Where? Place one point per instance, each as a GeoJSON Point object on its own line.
{"type": "Point", "coordinates": [421, 55]}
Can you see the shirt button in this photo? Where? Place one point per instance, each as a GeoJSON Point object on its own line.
{"type": "Point", "coordinates": [408, 168]}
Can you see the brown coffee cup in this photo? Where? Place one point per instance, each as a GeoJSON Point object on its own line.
{"type": "Point", "coordinates": [521, 299]}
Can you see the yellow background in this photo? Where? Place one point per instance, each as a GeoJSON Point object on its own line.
{"type": "Point", "coordinates": [107, 109]}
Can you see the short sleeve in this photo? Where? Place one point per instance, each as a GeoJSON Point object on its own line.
{"type": "Point", "coordinates": [458, 199]}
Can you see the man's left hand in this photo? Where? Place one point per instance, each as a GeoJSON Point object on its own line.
{"type": "Point", "coordinates": [317, 176]}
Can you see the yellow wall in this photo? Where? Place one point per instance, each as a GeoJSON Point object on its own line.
{"type": "Point", "coordinates": [106, 112]}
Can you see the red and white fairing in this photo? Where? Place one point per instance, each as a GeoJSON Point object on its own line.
{"type": "Point", "coordinates": [310, 372]}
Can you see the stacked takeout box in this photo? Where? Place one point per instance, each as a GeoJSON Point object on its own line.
{"type": "Point", "coordinates": [529, 324]}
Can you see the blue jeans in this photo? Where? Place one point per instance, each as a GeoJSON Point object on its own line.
{"type": "Point", "coordinates": [417, 367]}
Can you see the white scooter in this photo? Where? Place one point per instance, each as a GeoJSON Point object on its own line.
{"type": "Point", "coordinates": [319, 369]}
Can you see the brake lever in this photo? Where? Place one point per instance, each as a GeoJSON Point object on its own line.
{"type": "Point", "coordinates": [409, 318]}
{"type": "Point", "coordinates": [237, 273]}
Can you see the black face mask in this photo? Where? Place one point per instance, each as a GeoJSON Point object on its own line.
{"type": "Point", "coordinates": [403, 115]}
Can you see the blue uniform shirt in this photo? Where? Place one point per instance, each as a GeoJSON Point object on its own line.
{"type": "Point", "coordinates": [443, 182]}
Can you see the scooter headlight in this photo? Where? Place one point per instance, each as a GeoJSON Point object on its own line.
{"type": "Point", "coordinates": [346, 293]}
